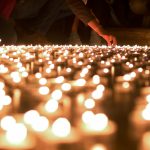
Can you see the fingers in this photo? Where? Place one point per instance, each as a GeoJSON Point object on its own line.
{"type": "Point", "coordinates": [114, 41]}
{"type": "Point", "coordinates": [109, 43]}
{"type": "Point", "coordinates": [111, 40]}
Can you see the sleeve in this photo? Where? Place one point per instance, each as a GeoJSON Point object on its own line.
{"type": "Point", "coordinates": [6, 8]}
{"type": "Point", "coordinates": [80, 10]}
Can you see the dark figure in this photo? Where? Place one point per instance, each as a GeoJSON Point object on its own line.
{"type": "Point", "coordinates": [36, 17]}
{"type": "Point", "coordinates": [39, 15]}
{"type": "Point", "coordinates": [7, 32]}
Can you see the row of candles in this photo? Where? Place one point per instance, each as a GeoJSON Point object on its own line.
{"type": "Point", "coordinates": [73, 97]}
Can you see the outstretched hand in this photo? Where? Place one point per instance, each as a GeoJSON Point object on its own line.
{"type": "Point", "coordinates": [110, 39]}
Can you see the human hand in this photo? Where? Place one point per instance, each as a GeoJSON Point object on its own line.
{"type": "Point", "coordinates": [110, 39]}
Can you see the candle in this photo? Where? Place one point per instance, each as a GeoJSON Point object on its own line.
{"type": "Point", "coordinates": [97, 127]}
{"type": "Point", "coordinates": [144, 143]}
{"type": "Point", "coordinates": [15, 136]}
{"type": "Point", "coordinates": [60, 134]}
{"type": "Point", "coordinates": [140, 121]}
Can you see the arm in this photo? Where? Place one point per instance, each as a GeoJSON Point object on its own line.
{"type": "Point", "coordinates": [110, 39]}
{"type": "Point", "coordinates": [84, 14]}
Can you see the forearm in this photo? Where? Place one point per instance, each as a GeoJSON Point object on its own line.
{"type": "Point", "coordinates": [95, 25]}
{"type": "Point", "coordinates": [84, 14]}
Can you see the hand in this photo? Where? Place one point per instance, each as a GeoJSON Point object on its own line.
{"type": "Point", "coordinates": [110, 39]}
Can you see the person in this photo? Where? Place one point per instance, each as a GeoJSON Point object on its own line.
{"type": "Point", "coordinates": [35, 18]}
{"type": "Point", "coordinates": [84, 14]}
{"type": "Point", "coordinates": [45, 13]}
{"type": "Point", "coordinates": [7, 32]}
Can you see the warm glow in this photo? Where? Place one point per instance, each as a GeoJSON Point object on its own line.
{"type": "Point", "coordinates": [89, 103]}
{"type": "Point", "coordinates": [30, 116]}
{"type": "Point", "coordinates": [48, 70]}
{"type": "Point", "coordinates": [80, 99]}
{"type": "Point", "coordinates": [85, 70]}
{"type": "Point", "coordinates": [61, 127]}
{"type": "Point", "coordinates": [52, 66]}
{"type": "Point", "coordinates": [127, 77]}
{"type": "Point", "coordinates": [1, 106]}
{"type": "Point", "coordinates": [80, 82]}
{"type": "Point", "coordinates": [80, 63]}
{"type": "Point", "coordinates": [44, 90]}
{"type": "Point", "coordinates": [2, 92]}
{"type": "Point", "coordinates": [2, 85]}
{"type": "Point", "coordinates": [57, 94]}
{"type": "Point", "coordinates": [68, 69]}
{"type": "Point", "coordinates": [24, 74]}
{"type": "Point", "coordinates": [42, 81]}
{"type": "Point", "coordinates": [99, 122]}
{"type": "Point", "coordinates": [51, 106]}
{"type": "Point", "coordinates": [19, 64]}
{"type": "Point", "coordinates": [3, 69]}
{"type": "Point", "coordinates": [96, 79]}
{"type": "Point", "coordinates": [87, 116]}
{"type": "Point", "coordinates": [14, 74]}
{"type": "Point", "coordinates": [22, 69]}
{"type": "Point", "coordinates": [146, 113]}
{"type": "Point", "coordinates": [17, 134]}
{"type": "Point", "coordinates": [98, 147]}
{"type": "Point", "coordinates": [17, 79]}
{"type": "Point", "coordinates": [40, 124]}
{"type": "Point", "coordinates": [81, 55]}
{"type": "Point", "coordinates": [66, 87]}
{"type": "Point", "coordinates": [130, 65]}
{"type": "Point", "coordinates": [96, 122]}
{"type": "Point", "coordinates": [106, 70]}
{"type": "Point", "coordinates": [59, 79]}
{"type": "Point", "coordinates": [133, 74]}
{"type": "Point", "coordinates": [38, 75]}
{"type": "Point", "coordinates": [97, 94]}
{"type": "Point", "coordinates": [6, 100]}
{"type": "Point", "coordinates": [145, 141]}
{"type": "Point", "coordinates": [100, 88]}
{"type": "Point", "coordinates": [7, 123]}
{"type": "Point", "coordinates": [140, 69]}
{"type": "Point", "coordinates": [148, 98]}
{"type": "Point", "coordinates": [125, 85]}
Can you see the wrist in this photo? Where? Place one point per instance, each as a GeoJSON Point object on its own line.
{"type": "Point", "coordinates": [98, 28]}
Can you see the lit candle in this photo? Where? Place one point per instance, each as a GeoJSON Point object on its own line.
{"type": "Point", "coordinates": [98, 127]}
{"type": "Point", "coordinates": [15, 135]}
{"type": "Point", "coordinates": [144, 143]}
{"type": "Point", "coordinates": [61, 133]}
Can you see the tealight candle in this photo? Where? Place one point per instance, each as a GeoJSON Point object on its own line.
{"type": "Point", "coordinates": [16, 137]}
{"type": "Point", "coordinates": [96, 147]}
{"type": "Point", "coordinates": [98, 127]}
{"type": "Point", "coordinates": [144, 143]}
{"type": "Point", "coordinates": [140, 120]}
{"type": "Point", "coordinates": [61, 133]}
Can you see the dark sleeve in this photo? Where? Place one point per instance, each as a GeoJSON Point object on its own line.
{"type": "Point", "coordinates": [80, 10]}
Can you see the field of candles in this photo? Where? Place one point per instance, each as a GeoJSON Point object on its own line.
{"type": "Point", "coordinates": [65, 97]}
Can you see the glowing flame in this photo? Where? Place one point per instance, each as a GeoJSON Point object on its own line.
{"type": "Point", "coordinates": [17, 134]}
{"type": "Point", "coordinates": [61, 127]}
{"type": "Point", "coordinates": [89, 103]}
{"type": "Point", "coordinates": [51, 106]}
{"type": "Point", "coordinates": [7, 123]}
{"type": "Point", "coordinates": [44, 90]}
